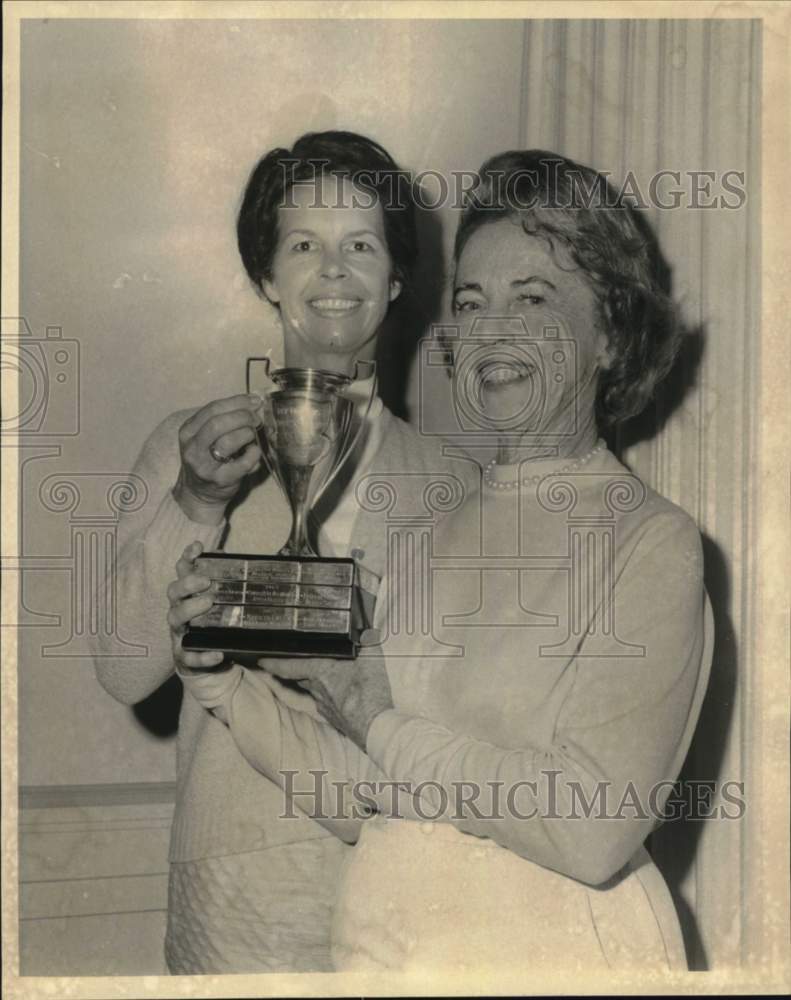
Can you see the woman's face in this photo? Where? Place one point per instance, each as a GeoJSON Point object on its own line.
{"type": "Point", "coordinates": [530, 347]}
{"type": "Point", "coordinates": [331, 273]}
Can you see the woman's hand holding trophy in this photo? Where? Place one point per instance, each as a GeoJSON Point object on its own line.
{"type": "Point", "coordinates": [189, 596]}
{"type": "Point", "coordinates": [219, 447]}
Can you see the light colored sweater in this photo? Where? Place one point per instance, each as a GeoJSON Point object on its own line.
{"type": "Point", "coordinates": [565, 687]}
{"type": "Point", "coordinates": [223, 805]}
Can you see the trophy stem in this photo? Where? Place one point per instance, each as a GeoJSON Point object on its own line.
{"type": "Point", "coordinates": [296, 480]}
{"type": "Point", "coordinates": [297, 544]}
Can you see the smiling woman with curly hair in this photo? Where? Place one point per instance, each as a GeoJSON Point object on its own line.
{"type": "Point", "coordinates": [515, 774]}
{"type": "Point", "coordinates": [571, 206]}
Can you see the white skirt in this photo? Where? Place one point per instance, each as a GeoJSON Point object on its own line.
{"type": "Point", "coordinates": [422, 896]}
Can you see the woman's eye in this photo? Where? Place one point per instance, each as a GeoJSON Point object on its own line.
{"type": "Point", "coordinates": [360, 246]}
{"type": "Point", "coordinates": [470, 305]}
{"type": "Point", "coordinates": [532, 298]}
{"type": "Point", "coordinates": [303, 246]}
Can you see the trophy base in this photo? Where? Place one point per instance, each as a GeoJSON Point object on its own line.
{"type": "Point", "coordinates": [247, 646]}
{"type": "Point", "coordinates": [281, 606]}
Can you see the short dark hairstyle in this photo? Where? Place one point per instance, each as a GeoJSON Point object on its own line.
{"type": "Point", "coordinates": [560, 200]}
{"type": "Point", "coordinates": [344, 154]}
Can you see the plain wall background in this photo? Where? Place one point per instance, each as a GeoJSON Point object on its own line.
{"type": "Point", "coordinates": [137, 138]}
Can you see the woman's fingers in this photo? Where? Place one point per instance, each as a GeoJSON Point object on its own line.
{"type": "Point", "coordinates": [292, 670]}
{"type": "Point", "coordinates": [184, 611]}
{"type": "Point", "coordinates": [201, 660]}
{"type": "Point", "coordinates": [189, 596]}
{"type": "Point", "coordinates": [219, 448]}
{"type": "Point", "coordinates": [216, 428]}
{"type": "Point", "coordinates": [233, 442]}
{"type": "Point", "coordinates": [307, 671]}
{"type": "Point", "coordinates": [187, 558]}
{"type": "Point", "coordinates": [227, 473]}
{"type": "Point", "coordinates": [217, 408]}
{"type": "Point", "coordinates": [237, 443]}
{"type": "Point", "coordinates": [192, 584]}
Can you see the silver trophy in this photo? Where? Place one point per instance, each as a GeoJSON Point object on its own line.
{"type": "Point", "coordinates": [295, 603]}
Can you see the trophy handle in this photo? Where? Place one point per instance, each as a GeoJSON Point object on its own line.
{"type": "Point", "coordinates": [343, 453]}
{"type": "Point", "coordinates": [262, 438]}
{"type": "Point", "coordinates": [372, 395]}
{"type": "Point", "coordinates": [250, 361]}
{"type": "Point", "coordinates": [371, 365]}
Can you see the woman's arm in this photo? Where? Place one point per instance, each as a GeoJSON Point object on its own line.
{"type": "Point", "coordinates": [584, 802]}
{"type": "Point", "coordinates": [321, 772]}
{"type": "Point", "coordinates": [188, 490]}
{"type": "Point", "coordinates": [150, 542]}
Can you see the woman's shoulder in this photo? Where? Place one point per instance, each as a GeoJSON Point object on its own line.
{"type": "Point", "coordinates": [647, 520]}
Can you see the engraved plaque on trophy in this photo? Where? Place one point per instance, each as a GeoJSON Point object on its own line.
{"type": "Point", "coordinates": [295, 603]}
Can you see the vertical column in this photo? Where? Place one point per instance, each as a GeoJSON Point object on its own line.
{"type": "Point", "coordinates": [410, 503]}
{"type": "Point", "coordinates": [409, 584]}
{"type": "Point", "coordinates": [21, 565]}
{"type": "Point", "coordinates": [94, 539]}
{"type": "Point", "coordinates": [500, 547]}
{"type": "Point", "coordinates": [591, 540]}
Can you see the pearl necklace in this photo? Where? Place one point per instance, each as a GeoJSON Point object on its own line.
{"type": "Point", "coordinates": [511, 484]}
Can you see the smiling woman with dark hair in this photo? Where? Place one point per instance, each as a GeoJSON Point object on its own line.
{"type": "Point", "coordinates": [376, 176]}
{"type": "Point", "coordinates": [513, 784]}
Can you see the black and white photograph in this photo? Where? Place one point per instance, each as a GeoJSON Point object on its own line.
{"type": "Point", "coordinates": [395, 499]}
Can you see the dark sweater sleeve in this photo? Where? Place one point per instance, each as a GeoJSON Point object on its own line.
{"type": "Point", "coordinates": [150, 542]}
{"type": "Point", "coordinates": [583, 803]}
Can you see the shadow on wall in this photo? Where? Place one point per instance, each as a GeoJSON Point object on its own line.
{"type": "Point", "coordinates": [412, 314]}
{"type": "Point", "coordinates": [675, 845]}
{"type": "Point", "coordinates": [158, 714]}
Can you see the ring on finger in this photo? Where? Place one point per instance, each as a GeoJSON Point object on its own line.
{"type": "Point", "coordinates": [217, 456]}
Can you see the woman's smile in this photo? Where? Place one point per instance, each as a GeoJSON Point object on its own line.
{"type": "Point", "coordinates": [335, 307]}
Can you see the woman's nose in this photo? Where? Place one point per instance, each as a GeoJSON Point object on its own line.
{"type": "Point", "coordinates": [333, 266]}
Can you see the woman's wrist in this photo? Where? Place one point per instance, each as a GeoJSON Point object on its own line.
{"type": "Point", "coordinates": [196, 509]}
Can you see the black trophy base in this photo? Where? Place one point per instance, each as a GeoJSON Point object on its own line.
{"type": "Point", "coordinates": [290, 606]}
{"type": "Point", "coordinates": [247, 646]}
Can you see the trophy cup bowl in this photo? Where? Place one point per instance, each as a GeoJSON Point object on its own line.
{"type": "Point", "coordinates": [295, 603]}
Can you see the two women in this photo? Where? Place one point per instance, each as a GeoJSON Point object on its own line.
{"type": "Point", "coordinates": [573, 594]}
{"type": "Point", "coordinates": [327, 235]}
